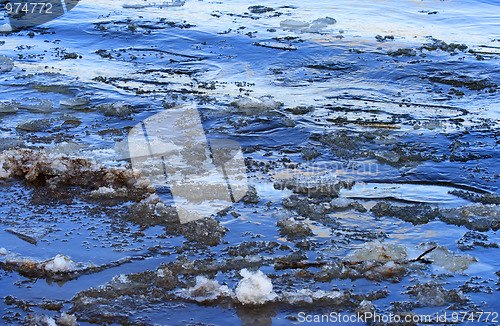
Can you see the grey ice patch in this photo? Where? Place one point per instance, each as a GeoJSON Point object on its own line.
{"type": "Point", "coordinates": [170, 148]}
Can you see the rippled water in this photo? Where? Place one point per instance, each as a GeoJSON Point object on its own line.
{"type": "Point", "coordinates": [386, 96]}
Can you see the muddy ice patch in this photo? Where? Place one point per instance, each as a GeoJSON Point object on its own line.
{"type": "Point", "coordinates": [59, 171]}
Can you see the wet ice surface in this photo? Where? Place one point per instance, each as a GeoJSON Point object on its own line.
{"type": "Point", "coordinates": [370, 135]}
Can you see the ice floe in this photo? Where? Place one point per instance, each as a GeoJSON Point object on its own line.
{"type": "Point", "coordinates": [447, 259]}
{"type": "Point", "coordinates": [205, 290]}
{"type": "Point", "coordinates": [254, 288]}
{"type": "Point", "coordinates": [380, 251]}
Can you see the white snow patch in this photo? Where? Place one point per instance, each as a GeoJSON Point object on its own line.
{"type": "Point", "coordinates": [60, 263]}
{"type": "Point", "coordinates": [254, 288]}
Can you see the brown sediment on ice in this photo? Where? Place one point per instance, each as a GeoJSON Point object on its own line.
{"type": "Point", "coordinates": [60, 172]}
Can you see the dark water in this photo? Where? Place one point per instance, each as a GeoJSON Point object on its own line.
{"type": "Point", "coordinates": [386, 96]}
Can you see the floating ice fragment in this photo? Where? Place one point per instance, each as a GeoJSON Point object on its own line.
{"type": "Point", "coordinates": [476, 216]}
{"type": "Point", "coordinates": [365, 307]}
{"type": "Point", "coordinates": [341, 202]}
{"type": "Point", "coordinates": [7, 107]}
{"type": "Point", "coordinates": [293, 228]}
{"type": "Point", "coordinates": [40, 320]}
{"type": "Point", "coordinates": [122, 278]}
{"type": "Point", "coordinates": [37, 105]}
{"type": "Point", "coordinates": [3, 251]}
{"type": "Point", "coordinates": [433, 295]}
{"type": "Point", "coordinates": [66, 148]}
{"type": "Point", "coordinates": [447, 259]}
{"type": "Point", "coordinates": [387, 156]}
{"type": "Point", "coordinates": [318, 25]}
{"type": "Point", "coordinates": [252, 105]}
{"type": "Point", "coordinates": [293, 24]}
{"type": "Point", "coordinates": [254, 288]}
{"type": "Point", "coordinates": [60, 263]}
{"type": "Point", "coordinates": [6, 63]}
{"type": "Point", "coordinates": [309, 296]}
{"type": "Point", "coordinates": [379, 251]}
{"type": "Point", "coordinates": [326, 184]}
{"type": "Point", "coordinates": [67, 320]}
{"type": "Point", "coordinates": [74, 102]}
{"type": "Point", "coordinates": [5, 28]}
{"type": "Point", "coordinates": [315, 26]}
{"type": "Point", "coordinates": [205, 290]}
{"type": "Point", "coordinates": [34, 125]}
{"type": "Point", "coordinates": [118, 109]}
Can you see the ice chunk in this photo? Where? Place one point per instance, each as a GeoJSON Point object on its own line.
{"type": "Point", "coordinates": [40, 320]}
{"type": "Point", "coordinates": [122, 278]}
{"type": "Point", "coordinates": [315, 26]}
{"type": "Point", "coordinates": [326, 184]}
{"type": "Point", "coordinates": [377, 250]}
{"type": "Point", "coordinates": [108, 193]}
{"type": "Point", "coordinates": [478, 217]}
{"type": "Point", "coordinates": [66, 148]}
{"type": "Point", "coordinates": [6, 63]}
{"type": "Point", "coordinates": [253, 105]}
{"type": "Point", "coordinates": [318, 25]}
{"type": "Point", "coordinates": [447, 259]}
{"type": "Point", "coordinates": [205, 290]}
{"type": "Point", "coordinates": [3, 251]}
{"type": "Point", "coordinates": [67, 320]}
{"type": "Point", "coordinates": [387, 156]}
{"type": "Point", "coordinates": [34, 125]}
{"type": "Point", "coordinates": [365, 307]}
{"type": "Point", "coordinates": [433, 295]}
{"type": "Point", "coordinates": [60, 263]}
{"type": "Point", "coordinates": [74, 102]}
{"type": "Point", "coordinates": [7, 108]}
{"type": "Point", "coordinates": [118, 109]}
{"type": "Point", "coordinates": [5, 28]}
{"type": "Point", "coordinates": [341, 202]}
{"type": "Point", "coordinates": [292, 24]}
{"type": "Point", "coordinates": [309, 296]}
{"type": "Point", "coordinates": [36, 105]}
{"type": "Point", "coordinates": [254, 288]}
{"type": "Point", "coordinates": [292, 228]}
